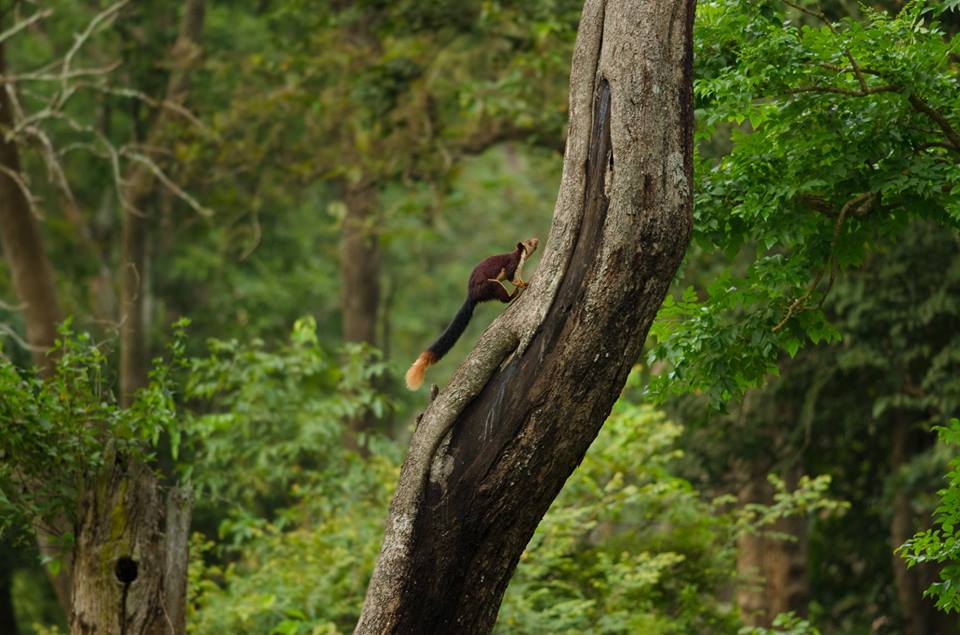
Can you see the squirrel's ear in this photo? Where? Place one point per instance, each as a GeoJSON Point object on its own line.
{"type": "Point", "coordinates": [520, 246]}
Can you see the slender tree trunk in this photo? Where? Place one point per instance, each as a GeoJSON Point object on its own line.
{"type": "Point", "coordinates": [493, 450]}
{"type": "Point", "coordinates": [139, 185]}
{"type": "Point", "coordinates": [360, 265]}
{"type": "Point", "coordinates": [32, 280]}
{"type": "Point", "coordinates": [22, 245]}
{"type": "Point", "coordinates": [772, 570]}
{"type": "Point", "coordinates": [920, 615]}
{"type": "Point", "coordinates": [360, 284]}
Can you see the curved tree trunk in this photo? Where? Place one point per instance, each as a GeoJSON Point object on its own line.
{"type": "Point", "coordinates": [521, 411]}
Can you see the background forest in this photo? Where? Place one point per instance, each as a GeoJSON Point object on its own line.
{"type": "Point", "coordinates": [238, 222]}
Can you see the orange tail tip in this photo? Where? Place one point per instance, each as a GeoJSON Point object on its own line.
{"type": "Point", "coordinates": [418, 369]}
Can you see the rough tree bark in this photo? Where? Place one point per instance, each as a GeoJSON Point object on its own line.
{"type": "Point", "coordinates": [493, 450]}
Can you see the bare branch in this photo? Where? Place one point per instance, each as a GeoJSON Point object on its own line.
{"type": "Point", "coordinates": [18, 178]}
{"type": "Point", "coordinates": [20, 26]}
{"type": "Point", "coordinates": [6, 329]}
{"type": "Point", "coordinates": [11, 307]}
{"type": "Point", "coordinates": [167, 104]}
{"type": "Point", "coordinates": [154, 169]}
{"type": "Point", "coordinates": [39, 76]}
{"type": "Point", "coordinates": [104, 18]}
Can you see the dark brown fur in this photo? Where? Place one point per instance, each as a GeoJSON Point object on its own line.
{"type": "Point", "coordinates": [485, 284]}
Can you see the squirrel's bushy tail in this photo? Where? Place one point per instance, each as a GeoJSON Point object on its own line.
{"type": "Point", "coordinates": [443, 344]}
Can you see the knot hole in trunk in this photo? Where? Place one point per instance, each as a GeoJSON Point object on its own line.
{"type": "Point", "coordinates": [126, 569]}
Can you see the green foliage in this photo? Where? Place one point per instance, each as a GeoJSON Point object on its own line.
{"type": "Point", "coordinates": [783, 624]}
{"type": "Point", "coordinates": [840, 134]}
{"type": "Point", "coordinates": [271, 444]}
{"type": "Point", "coordinates": [57, 432]}
{"type": "Point", "coordinates": [274, 418]}
{"type": "Point", "coordinates": [630, 547]}
{"type": "Point", "coordinates": [941, 544]}
{"type": "Point", "coordinates": [627, 547]}
{"type": "Point", "coordinates": [306, 573]}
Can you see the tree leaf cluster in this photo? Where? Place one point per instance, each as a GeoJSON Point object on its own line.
{"type": "Point", "coordinates": [839, 133]}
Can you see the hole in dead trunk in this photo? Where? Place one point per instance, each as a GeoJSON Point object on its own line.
{"type": "Point", "coordinates": [126, 569]}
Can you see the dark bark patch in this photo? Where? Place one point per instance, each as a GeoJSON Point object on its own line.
{"type": "Point", "coordinates": [126, 569]}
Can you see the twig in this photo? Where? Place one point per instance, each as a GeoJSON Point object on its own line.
{"type": "Point", "coordinates": [863, 92]}
{"type": "Point", "coordinates": [20, 26]}
{"type": "Point", "coordinates": [81, 39]}
{"type": "Point", "coordinates": [921, 106]}
{"type": "Point", "coordinates": [5, 329]}
{"type": "Point", "coordinates": [17, 178]}
{"type": "Point", "coordinates": [820, 15]}
{"type": "Point", "coordinates": [863, 202]}
{"type": "Point", "coordinates": [12, 307]}
{"type": "Point", "coordinates": [150, 101]}
{"type": "Point", "coordinates": [843, 69]}
{"type": "Point", "coordinates": [163, 178]}
{"type": "Point", "coordinates": [39, 76]}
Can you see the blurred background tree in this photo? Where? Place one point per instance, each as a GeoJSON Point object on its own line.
{"type": "Point", "coordinates": [351, 162]}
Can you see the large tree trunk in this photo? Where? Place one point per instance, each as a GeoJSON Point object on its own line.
{"type": "Point", "coordinates": [521, 411]}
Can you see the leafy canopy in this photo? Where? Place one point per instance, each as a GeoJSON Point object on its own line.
{"type": "Point", "coordinates": [839, 133]}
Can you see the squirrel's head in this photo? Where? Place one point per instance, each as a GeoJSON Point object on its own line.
{"type": "Point", "coordinates": [528, 246]}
